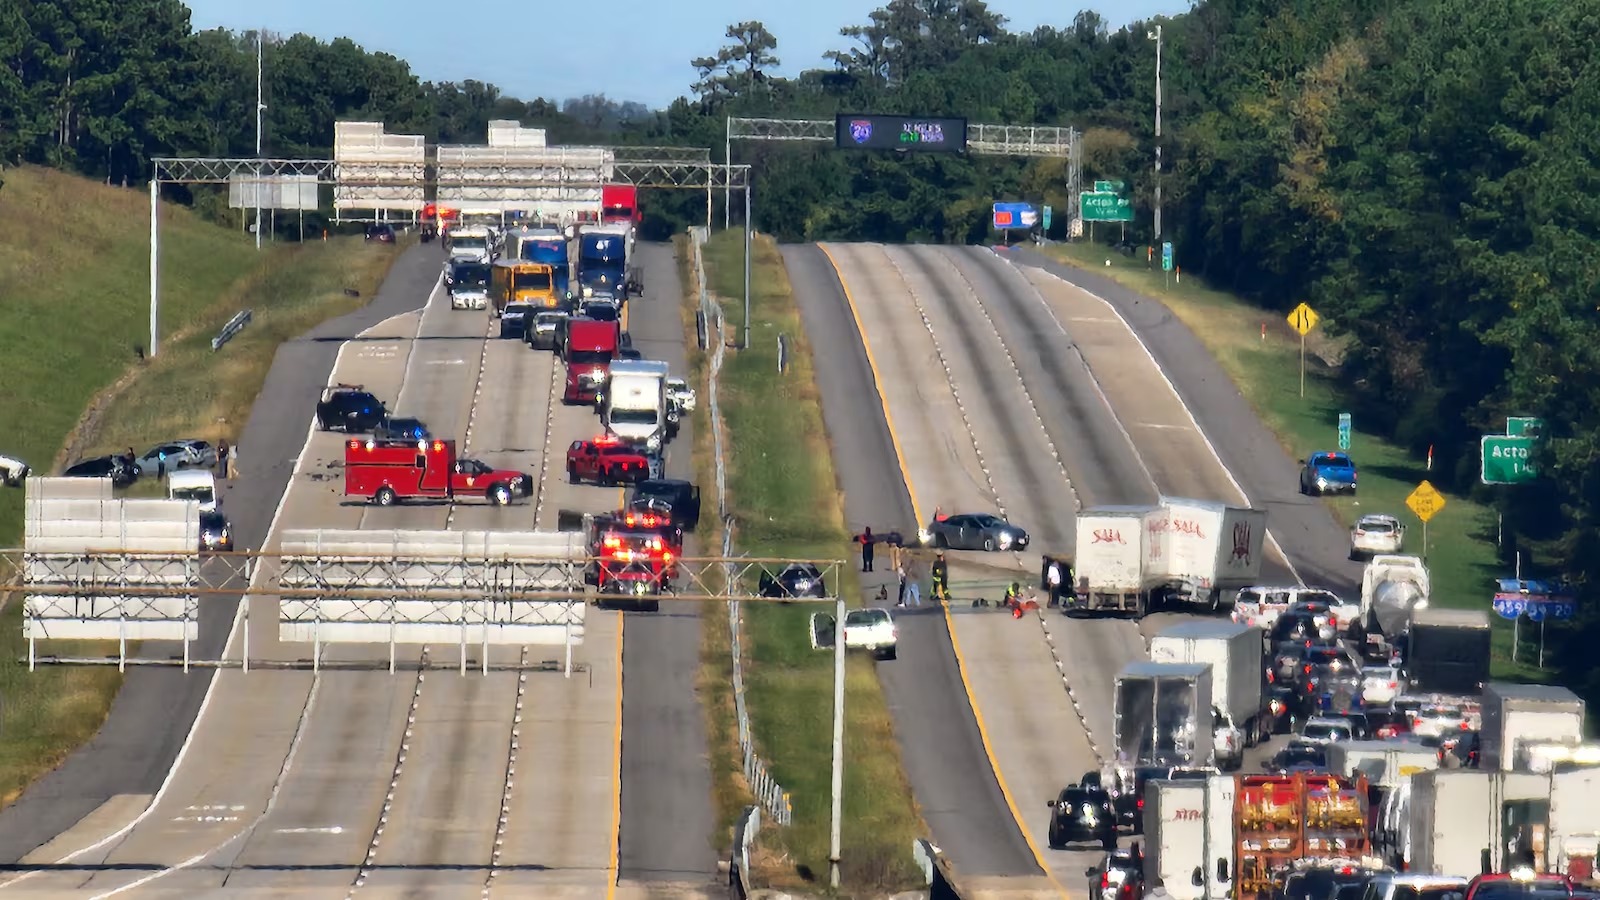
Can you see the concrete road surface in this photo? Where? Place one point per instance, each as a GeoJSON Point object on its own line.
{"type": "Point", "coordinates": [1006, 389]}
{"type": "Point", "coordinates": [405, 783]}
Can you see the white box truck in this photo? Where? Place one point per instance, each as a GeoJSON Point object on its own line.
{"type": "Point", "coordinates": [1162, 715]}
{"type": "Point", "coordinates": [634, 407]}
{"type": "Point", "coordinates": [1200, 552]}
{"type": "Point", "coordinates": [1109, 559]}
{"type": "Point", "coordinates": [1234, 653]}
{"type": "Point", "coordinates": [1385, 763]}
{"type": "Point", "coordinates": [1574, 824]}
{"type": "Point", "coordinates": [1188, 827]}
{"type": "Point", "coordinates": [1514, 714]}
{"type": "Point", "coordinates": [1455, 814]}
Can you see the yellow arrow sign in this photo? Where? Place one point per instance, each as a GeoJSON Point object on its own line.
{"type": "Point", "coordinates": [1425, 501]}
{"type": "Point", "coordinates": [1303, 319]}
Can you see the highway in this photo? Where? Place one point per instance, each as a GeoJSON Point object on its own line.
{"type": "Point", "coordinates": [368, 784]}
{"type": "Point", "coordinates": [1003, 389]}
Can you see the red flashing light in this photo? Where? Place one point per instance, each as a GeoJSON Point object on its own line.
{"type": "Point", "coordinates": [606, 440]}
{"type": "Point", "coordinates": [438, 446]}
{"type": "Point", "coordinates": [1141, 803]}
{"type": "Point", "coordinates": [666, 555]}
{"type": "Point", "coordinates": [355, 445]}
{"type": "Point", "coordinates": [1333, 456]}
{"type": "Point", "coordinates": [612, 543]}
{"type": "Point", "coordinates": [1105, 880]}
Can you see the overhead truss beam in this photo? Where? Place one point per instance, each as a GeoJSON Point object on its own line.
{"type": "Point", "coordinates": [652, 167]}
{"type": "Point", "coordinates": [996, 140]}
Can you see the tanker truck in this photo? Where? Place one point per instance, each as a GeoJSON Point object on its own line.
{"type": "Point", "coordinates": [1392, 588]}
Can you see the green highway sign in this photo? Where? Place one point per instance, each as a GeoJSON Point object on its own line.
{"type": "Point", "coordinates": [1523, 426]}
{"type": "Point", "coordinates": [1166, 256]}
{"type": "Point", "coordinates": [1110, 187]}
{"type": "Point", "coordinates": [1344, 431]}
{"type": "Point", "coordinates": [1047, 218]}
{"type": "Point", "coordinates": [1507, 459]}
{"type": "Point", "coordinates": [1105, 206]}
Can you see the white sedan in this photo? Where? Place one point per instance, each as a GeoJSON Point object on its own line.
{"type": "Point", "coordinates": [13, 471]}
{"type": "Point", "coordinates": [1381, 684]}
{"type": "Point", "coordinates": [871, 629]}
{"type": "Point", "coordinates": [1376, 534]}
{"type": "Point", "coordinates": [679, 392]}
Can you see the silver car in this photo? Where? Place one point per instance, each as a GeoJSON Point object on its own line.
{"type": "Point", "coordinates": [185, 454]}
{"type": "Point", "coordinates": [1376, 534]}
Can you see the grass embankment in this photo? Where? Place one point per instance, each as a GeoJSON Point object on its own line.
{"type": "Point", "coordinates": [786, 501]}
{"type": "Point", "coordinates": [1461, 538]}
{"type": "Point", "coordinates": [73, 262]}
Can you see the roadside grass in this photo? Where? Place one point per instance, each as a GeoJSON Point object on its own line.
{"type": "Point", "coordinates": [74, 258]}
{"type": "Point", "coordinates": [729, 792]}
{"type": "Point", "coordinates": [73, 263]}
{"type": "Point", "coordinates": [191, 391]}
{"type": "Point", "coordinates": [786, 503]}
{"type": "Point", "coordinates": [1460, 551]}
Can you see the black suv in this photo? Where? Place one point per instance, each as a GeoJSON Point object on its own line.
{"type": "Point", "coordinates": [681, 498]}
{"type": "Point", "coordinates": [1082, 815]}
{"type": "Point", "coordinates": [120, 469]}
{"type": "Point", "coordinates": [350, 409]}
{"type": "Point", "coordinates": [402, 429]}
{"type": "Point", "coordinates": [796, 580]}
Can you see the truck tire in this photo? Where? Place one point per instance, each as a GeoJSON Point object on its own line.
{"type": "Point", "coordinates": [500, 495]}
{"type": "Point", "coordinates": [385, 497]}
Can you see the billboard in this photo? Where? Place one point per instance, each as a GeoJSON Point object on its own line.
{"type": "Point", "coordinates": [871, 131]}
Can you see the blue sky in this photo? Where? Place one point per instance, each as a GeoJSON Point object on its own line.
{"type": "Point", "coordinates": [625, 49]}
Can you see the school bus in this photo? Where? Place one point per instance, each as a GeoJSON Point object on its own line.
{"type": "Point", "coordinates": [521, 281]}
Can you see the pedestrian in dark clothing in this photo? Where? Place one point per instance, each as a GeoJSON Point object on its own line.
{"type": "Point", "coordinates": [900, 575]}
{"type": "Point", "coordinates": [222, 458]}
{"type": "Point", "coordinates": [867, 540]}
{"type": "Point", "coordinates": [161, 464]}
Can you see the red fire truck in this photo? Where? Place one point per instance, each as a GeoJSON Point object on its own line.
{"type": "Point", "coordinates": [635, 555]}
{"type": "Point", "coordinates": [435, 219]}
{"type": "Point", "coordinates": [588, 346]}
{"type": "Point", "coordinates": [390, 471]}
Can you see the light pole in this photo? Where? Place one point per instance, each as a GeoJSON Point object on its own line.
{"type": "Point", "coordinates": [1156, 36]}
{"type": "Point", "coordinates": [260, 108]}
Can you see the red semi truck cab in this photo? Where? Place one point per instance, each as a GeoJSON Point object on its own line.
{"type": "Point", "coordinates": [588, 347]}
{"type": "Point", "coordinates": [619, 204]}
{"type": "Point", "coordinates": [387, 472]}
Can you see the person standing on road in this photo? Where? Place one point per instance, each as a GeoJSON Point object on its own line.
{"type": "Point", "coordinates": [161, 464]}
{"type": "Point", "coordinates": [913, 590]}
{"type": "Point", "coordinates": [940, 574]}
{"type": "Point", "coordinates": [1052, 580]}
{"type": "Point", "coordinates": [222, 457]}
{"type": "Point", "coordinates": [900, 575]}
{"type": "Point", "coordinates": [233, 462]}
{"type": "Point", "coordinates": [867, 540]}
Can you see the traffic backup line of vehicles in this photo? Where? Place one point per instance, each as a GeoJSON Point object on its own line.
{"type": "Point", "coordinates": [1408, 772]}
{"type": "Point", "coordinates": [523, 277]}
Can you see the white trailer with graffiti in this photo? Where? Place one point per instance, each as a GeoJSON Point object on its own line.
{"type": "Point", "coordinates": [1200, 553]}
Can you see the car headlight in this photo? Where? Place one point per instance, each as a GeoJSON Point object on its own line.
{"type": "Point", "coordinates": [1005, 538]}
{"type": "Point", "coordinates": [924, 535]}
{"type": "Point", "coordinates": [654, 442]}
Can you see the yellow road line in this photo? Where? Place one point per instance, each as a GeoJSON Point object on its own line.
{"type": "Point", "coordinates": [955, 642]}
{"type": "Point", "coordinates": [616, 794]}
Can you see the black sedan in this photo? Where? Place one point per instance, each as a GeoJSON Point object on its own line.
{"type": "Point", "coordinates": [1299, 756]}
{"type": "Point", "coordinates": [1286, 709]}
{"type": "Point", "coordinates": [795, 580]}
{"type": "Point", "coordinates": [975, 531]}
{"type": "Point", "coordinates": [1082, 815]}
{"type": "Point", "coordinates": [120, 469]}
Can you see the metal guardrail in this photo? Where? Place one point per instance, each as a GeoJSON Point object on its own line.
{"type": "Point", "coordinates": [234, 326]}
{"type": "Point", "coordinates": [769, 794]}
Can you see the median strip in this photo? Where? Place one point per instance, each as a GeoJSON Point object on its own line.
{"type": "Point", "coordinates": [782, 493]}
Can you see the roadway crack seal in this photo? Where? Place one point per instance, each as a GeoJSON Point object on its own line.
{"type": "Point", "coordinates": [394, 780]}
{"type": "Point", "coordinates": [511, 773]}
{"type": "Point", "coordinates": [472, 414]}
{"type": "Point", "coordinates": [549, 431]}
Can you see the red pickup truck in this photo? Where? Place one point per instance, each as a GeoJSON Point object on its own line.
{"type": "Point", "coordinates": [606, 461]}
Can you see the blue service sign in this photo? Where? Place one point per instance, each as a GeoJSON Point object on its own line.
{"type": "Point", "coordinates": [1014, 215]}
{"type": "Point", "coordinates": [1534, 608]}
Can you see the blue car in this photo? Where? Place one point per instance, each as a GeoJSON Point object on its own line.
{"type": "Point", "coordinates": [1328, 472]}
